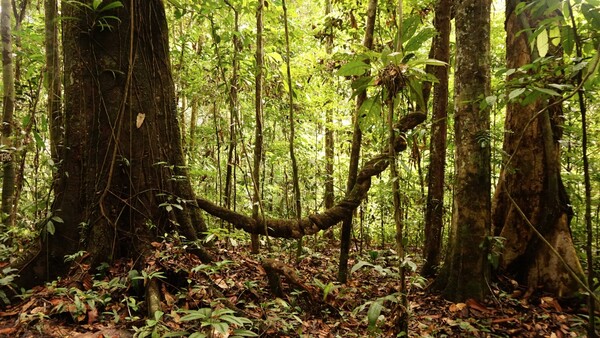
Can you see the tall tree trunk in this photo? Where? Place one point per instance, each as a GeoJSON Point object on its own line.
{"type": "Point", "coordinates": [329, 197]}
{"type": "Point", "coordinates": [233, 112]}
{"type": "Point", "coordinates": [8, 108]}
{"type": "Point", "coordinates": [295, 179]}
{"type": "Point", "coordinates": [401, 321]}
{"type": "Point", "coordinates": [52, 76]}
{"type": "Point", "coordinates": [434, 213]}
{"type": "Point", "coordinates": [191, 145]}
{"type": "Point", "coordinates": [355, 151]}
{"type": "Point", "coordinates": [530, 181]}
{"type": "Point", "coordinates": [18, 142]}
{"type": "Point", "coordinates": [123, 159]}
{"type": "Point", "coordinates": [218, 132]}
{"type": "Point", "coordinates": [589, 248]}
{"type": "Point", "coordinates": [465, 273]}
{"type": "Point", "coordinates": [258, 120]}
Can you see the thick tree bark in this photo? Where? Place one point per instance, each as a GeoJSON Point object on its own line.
{"type": "Point", "coordinates": [531, 178]}
{"type": "Point", "coordinates": [123, 182]}
{"type": "Point", "coordinates": [465, 273]}
{"type": "Point", "coordinates": [434, 213]}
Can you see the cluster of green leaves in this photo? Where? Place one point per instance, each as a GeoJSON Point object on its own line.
{"type": "Point", "coordinates": [382, 304]}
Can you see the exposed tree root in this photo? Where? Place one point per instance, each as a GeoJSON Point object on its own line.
{"type": "Point", "coordinates": [293, 228]}
{"type": "Point", "coordinates": [153, 297]}
{"type": "Point", "coordinates": [274, 268]}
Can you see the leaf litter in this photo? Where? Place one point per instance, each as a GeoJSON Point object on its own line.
{"type": "Point", "coordinates": [231, 297]}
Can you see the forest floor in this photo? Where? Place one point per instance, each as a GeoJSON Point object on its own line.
{"type": "Point", "coordinates": [232, 298]}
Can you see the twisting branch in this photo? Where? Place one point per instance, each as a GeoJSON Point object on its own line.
{"type": "Point", "coordinates": [296, 228]}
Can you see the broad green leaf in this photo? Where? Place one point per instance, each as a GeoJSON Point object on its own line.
{"type": "Point", "coordinates": [198, 335]}
{"type": "Point", "coordinates": [50, 228]}
{"type": "Point", "coordinates": [409, 27]}
{"type": "Point", "coordinates": [416, 91]}
{"type": "Point", "coordinates": [327, 290]}
{"type": "Point", "coordinates": [239, 321]}
{"type": "Point", "coordinates": [593, 65]}
{"type": "Point", "coordinates": [592, 69]}
{"type": "Point", "coordinates": [592, 15]}
{"type": "Point", "coordinates": [373, 314]}
{"type": "Point", "coordinates": [516, 93]}
{"type": "Point", "coordinates": [554, 35]}
{"type": "Point", "coordinates": [491, 100]}
{"type": "Point", "coordinates": [419, 39]}
{"type": "Point", "coordinates": [359, 265]}
{"type": "Point", "coordinates": [39, 141]}
{"type": "Point", "coordinates": [560, 86]}
{"type": "Point", "coordinates": [432, 62]}
{"type": "Point", "coordinates": [176, 334]}
{"type": "Point", "coordinates": [25, 120]}
{"type": "Point", "coordinates": [275, 57]}
{"type": "Point", "coordinates": [220, 312]}
{"type": "Point", "coordinates": [520, 7]}
{"type": "Point", "coordinates": [411, 265]}
{"type": "Point", "coordinates": [244, 333]}
{"type": "Point", "coordinates": [547, 91]}
{"type": "Point", "coordinates": [197, 314]}
{"type": "Point", "coordinates": [361, 84]}
{"type": "Point", "coordinates": [221, 327]}
{"type": "Point", "coordinates": [369, 113]}
{"type": "Point", "coordinates": [542, 43]}
{"type": "Point", "coordinates": [353, 68]}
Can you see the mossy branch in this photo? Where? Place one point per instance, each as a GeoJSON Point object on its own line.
{"type": "Point", "coordinates": [296, 228]}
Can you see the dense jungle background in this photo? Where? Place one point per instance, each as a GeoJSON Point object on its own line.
{"type": "Point", "coordinates": [273, 168]}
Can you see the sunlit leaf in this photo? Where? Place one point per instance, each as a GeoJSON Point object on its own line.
{"type": "Point", "coordinates": [221, 327]}
{"type": "Point", "coordinates": [139, 120]}
{"type": "Point", "coordinates": [512, 95]}
{"type": "Point", "coordinates": [554, 35]}
{"type": "Point", "coordinates": [542, 43]}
